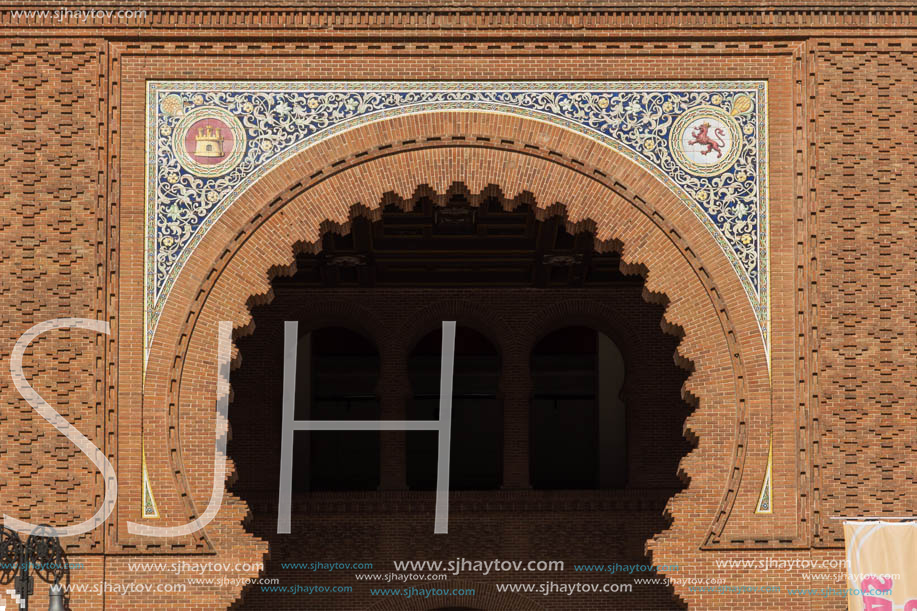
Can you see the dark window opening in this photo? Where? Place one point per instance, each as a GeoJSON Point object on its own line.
{"type": "Point", "coordinates": [337, 373]}
{"type": "Point", "coordinates": [476, 456]}
{"type": "Point", "coordinates": [578, 436]}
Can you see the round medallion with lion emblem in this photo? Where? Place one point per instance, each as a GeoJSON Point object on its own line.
{"type": "Point", "coordinates": [209, 141]}
{"type": "Point", "coordinates": [705, 141]}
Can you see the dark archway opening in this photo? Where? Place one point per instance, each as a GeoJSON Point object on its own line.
{"type": "Point", "coordinates": [337, 375]}
{"type": "Point", "coordinates": [556, 346]}
{"type": "Point", "coordinates": [578, 417]}
{"type": "Point", "coordinates": [477, 413]}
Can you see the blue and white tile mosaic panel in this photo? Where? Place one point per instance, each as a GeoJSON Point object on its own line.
{"type": "Point", "coordinates": [207, 142]}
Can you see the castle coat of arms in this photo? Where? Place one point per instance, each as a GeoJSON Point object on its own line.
{"type": "Point", "coordinates": [208, 141]}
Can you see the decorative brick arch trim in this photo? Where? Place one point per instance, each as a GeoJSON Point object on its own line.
{"type": "Point", "coordinates": [485, 598]}
{"type": "Point", "coordinates": [586, 312]}
{"type": "Point", "coordinates": [592, 314]}
{"type": "Point", "coordinates": [327, 313]}
{"type": "Point", "coordinates": [342, 313]}
{"type": "Point", "coordinates": [390, 159]}
{"type": "Point", "coordinates": [430, 317]}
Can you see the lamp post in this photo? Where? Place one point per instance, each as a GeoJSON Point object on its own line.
{"type": "Point", "coordinates": [39, 554]}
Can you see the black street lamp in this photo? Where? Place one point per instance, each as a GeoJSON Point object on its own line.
{"type": "Point", "coordinates": [44, 556]}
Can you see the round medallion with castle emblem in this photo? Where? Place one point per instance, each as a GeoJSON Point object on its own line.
{"type": "Point", "coordinates": [705, 140]}
{"type": "Point", "coordinates": [209, 141]}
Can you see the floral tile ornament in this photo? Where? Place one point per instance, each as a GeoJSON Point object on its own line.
{"type": "Point", "coordinates": [207, 142]}
{"type": "Point", "coordinates": [765, 502]}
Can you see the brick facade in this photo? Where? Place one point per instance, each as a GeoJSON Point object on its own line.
{"type": "Point", "coordinates": [836, 398]}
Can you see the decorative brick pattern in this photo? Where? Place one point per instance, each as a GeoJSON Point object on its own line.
{"type": "Point", "coordinates": [496, 20]}
{"type": "Point", "coordinates": [867, 285]}
{"type": "Point", "coordinates": [52, 232]}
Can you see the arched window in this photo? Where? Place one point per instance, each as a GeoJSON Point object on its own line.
{"type": "Point", "coordinates": [578, 435]}
{"type": "Point", "coordinates": [337, 373]}
{"type": "Point", "coordinates": [476, 457]}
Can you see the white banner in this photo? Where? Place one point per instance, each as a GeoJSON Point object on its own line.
{"type": "Point", "coordinates": [881, 566]}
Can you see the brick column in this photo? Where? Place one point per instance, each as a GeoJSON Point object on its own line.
{"type": "Point", "coordinates": [516, 386]}
{"type": "Point", "coordinates": [394, 389]}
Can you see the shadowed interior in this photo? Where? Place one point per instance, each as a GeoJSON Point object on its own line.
{"type": "Point", "coordinates": [559, 362]}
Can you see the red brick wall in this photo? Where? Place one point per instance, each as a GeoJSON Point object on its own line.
{"type": "Point", "coordinates": [52, 249]}
{"type": "Point", "coordinates": [841, 87]}
{"type": "Point", "coordinates": [867, 283]}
